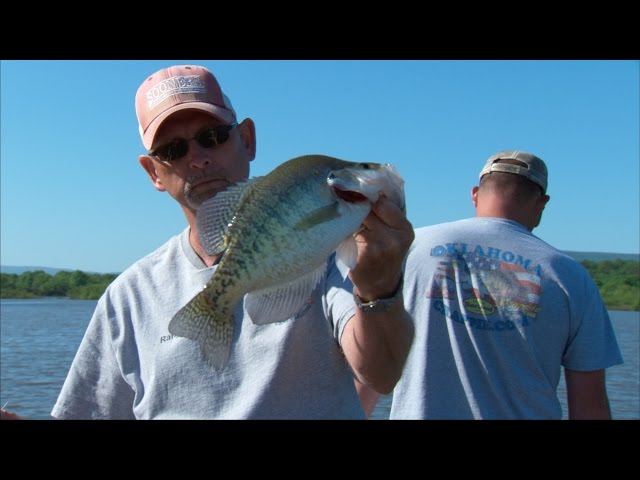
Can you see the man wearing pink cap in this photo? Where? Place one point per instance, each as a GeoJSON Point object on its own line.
{"type": "Point", "coordinates": [130, 367]}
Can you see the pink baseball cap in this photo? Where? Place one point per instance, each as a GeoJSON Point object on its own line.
{"type": "Point", "coordinates": [181, 87]}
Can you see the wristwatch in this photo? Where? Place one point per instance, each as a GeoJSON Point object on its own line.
{"type": "Point", "coordinates": [381, 304]}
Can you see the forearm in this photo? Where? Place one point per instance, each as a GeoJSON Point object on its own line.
{"type": "Point", "coordinates": [599, 410]}
{"type": "Point", "coordinates": [376, 345]}
{"type": "Point", "coordinates": [590, 409]}
{"type": "Point", "coordinates": [587, 395]}
{"type": "Point", "coordinates": [377, 340]}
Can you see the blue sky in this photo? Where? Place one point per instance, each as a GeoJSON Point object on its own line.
{"type": "Point", "coordinates": [74, 196]}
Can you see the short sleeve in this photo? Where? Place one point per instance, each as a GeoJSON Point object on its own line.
{"type": "Point", "coordinates": [340, 307]}
{"type": "Point", "coordinates": [592, 344]}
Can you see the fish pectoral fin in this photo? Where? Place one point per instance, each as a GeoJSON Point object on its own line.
{"type": "Point", "coordinates": [216, 215]}
{"type": "Point", "coordinates": [282, 302]}
{"type": "Point", "coordinates": [318, 216]}
{"type": "Point", "coordinates": [213, 331]}
{"type": "Point", "coordinates": [346, 256]}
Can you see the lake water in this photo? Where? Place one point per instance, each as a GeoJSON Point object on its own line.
{"type": "Point", "coordinates": [39, 338]}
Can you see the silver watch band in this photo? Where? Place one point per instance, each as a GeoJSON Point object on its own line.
{"type": "Point", "coordinates": [381, 304]}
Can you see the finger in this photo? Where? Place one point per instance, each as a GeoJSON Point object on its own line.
{"type": "Point", "coordinates": [372, 223]}
{"type": "Point", "coordinates": [388, 213]}
{"type": "Point", "coordinates": [359, 231]}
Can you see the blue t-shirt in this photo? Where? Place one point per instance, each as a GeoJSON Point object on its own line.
{"type": "Point", "coordinates": [129, 366]}
{"type": "Point", "coordinates": [497, 312]}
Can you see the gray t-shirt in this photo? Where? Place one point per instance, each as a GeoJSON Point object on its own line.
{"type": "Point", "coordinates": [497, 311]}
{"type": "Point", "coordinates": [129, 366]}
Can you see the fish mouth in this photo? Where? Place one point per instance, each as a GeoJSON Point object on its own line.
{"type": "Point", "coordinates": [349, 195]}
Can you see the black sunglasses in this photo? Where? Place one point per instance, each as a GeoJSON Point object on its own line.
{"type": "Point", "coordinates": [208, 138]}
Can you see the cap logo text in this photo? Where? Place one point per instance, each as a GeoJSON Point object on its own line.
{"type": "Point", "coordinates": [174, 86]}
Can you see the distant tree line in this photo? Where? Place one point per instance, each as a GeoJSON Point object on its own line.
{"type": "Point", "coordinates": [618, 281]}
{"type": "Point", "coordinates": [78, 284]}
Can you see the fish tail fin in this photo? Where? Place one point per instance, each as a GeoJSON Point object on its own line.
{"type": "Point", "coordinates": [212, 327]}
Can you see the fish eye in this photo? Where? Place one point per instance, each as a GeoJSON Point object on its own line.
{"type": "Point", "coordinates": [366, 166]}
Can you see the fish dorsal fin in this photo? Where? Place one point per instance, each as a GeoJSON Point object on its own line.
{"type": "Point", "coordinates": [319, 216]}
{"type": "Point", "coordinates": [216, 214]}
{"type": "Point", "coordinates": [346, 256]}
{"type": "Point", "coordinates": [280, 302]}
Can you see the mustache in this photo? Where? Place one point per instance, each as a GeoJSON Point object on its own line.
{"type": "Point", "coordinates": [192, 197]}
{"type": "Point", "coordinates": [209, 174]}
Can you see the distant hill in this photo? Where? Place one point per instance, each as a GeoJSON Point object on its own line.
{"type": "Point", "coordinates": [19, 270]}
{"type": "Point", "coordinates": [602, 256]}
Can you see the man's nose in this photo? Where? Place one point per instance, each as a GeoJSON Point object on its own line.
{"type": "Point", "coordinates": [199, 157]}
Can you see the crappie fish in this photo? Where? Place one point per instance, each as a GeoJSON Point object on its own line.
{"type": "Point", "coordinates": [277, 233]}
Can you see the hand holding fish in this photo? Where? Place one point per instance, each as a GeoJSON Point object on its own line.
{"type": "Point", "coordinates": [383, 242]}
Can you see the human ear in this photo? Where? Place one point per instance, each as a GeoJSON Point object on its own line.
{"type": "Point", "coordinates": [474, 196]}
{"type": "Point", "coordinates": [150, 167]}
{"type": "Point", "coordinates": [248, 137]}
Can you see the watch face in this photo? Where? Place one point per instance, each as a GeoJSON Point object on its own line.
{"type": "Point", "coordinates": [376, 306]}
{"type": "Point", "coordinates": [380, 305]}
